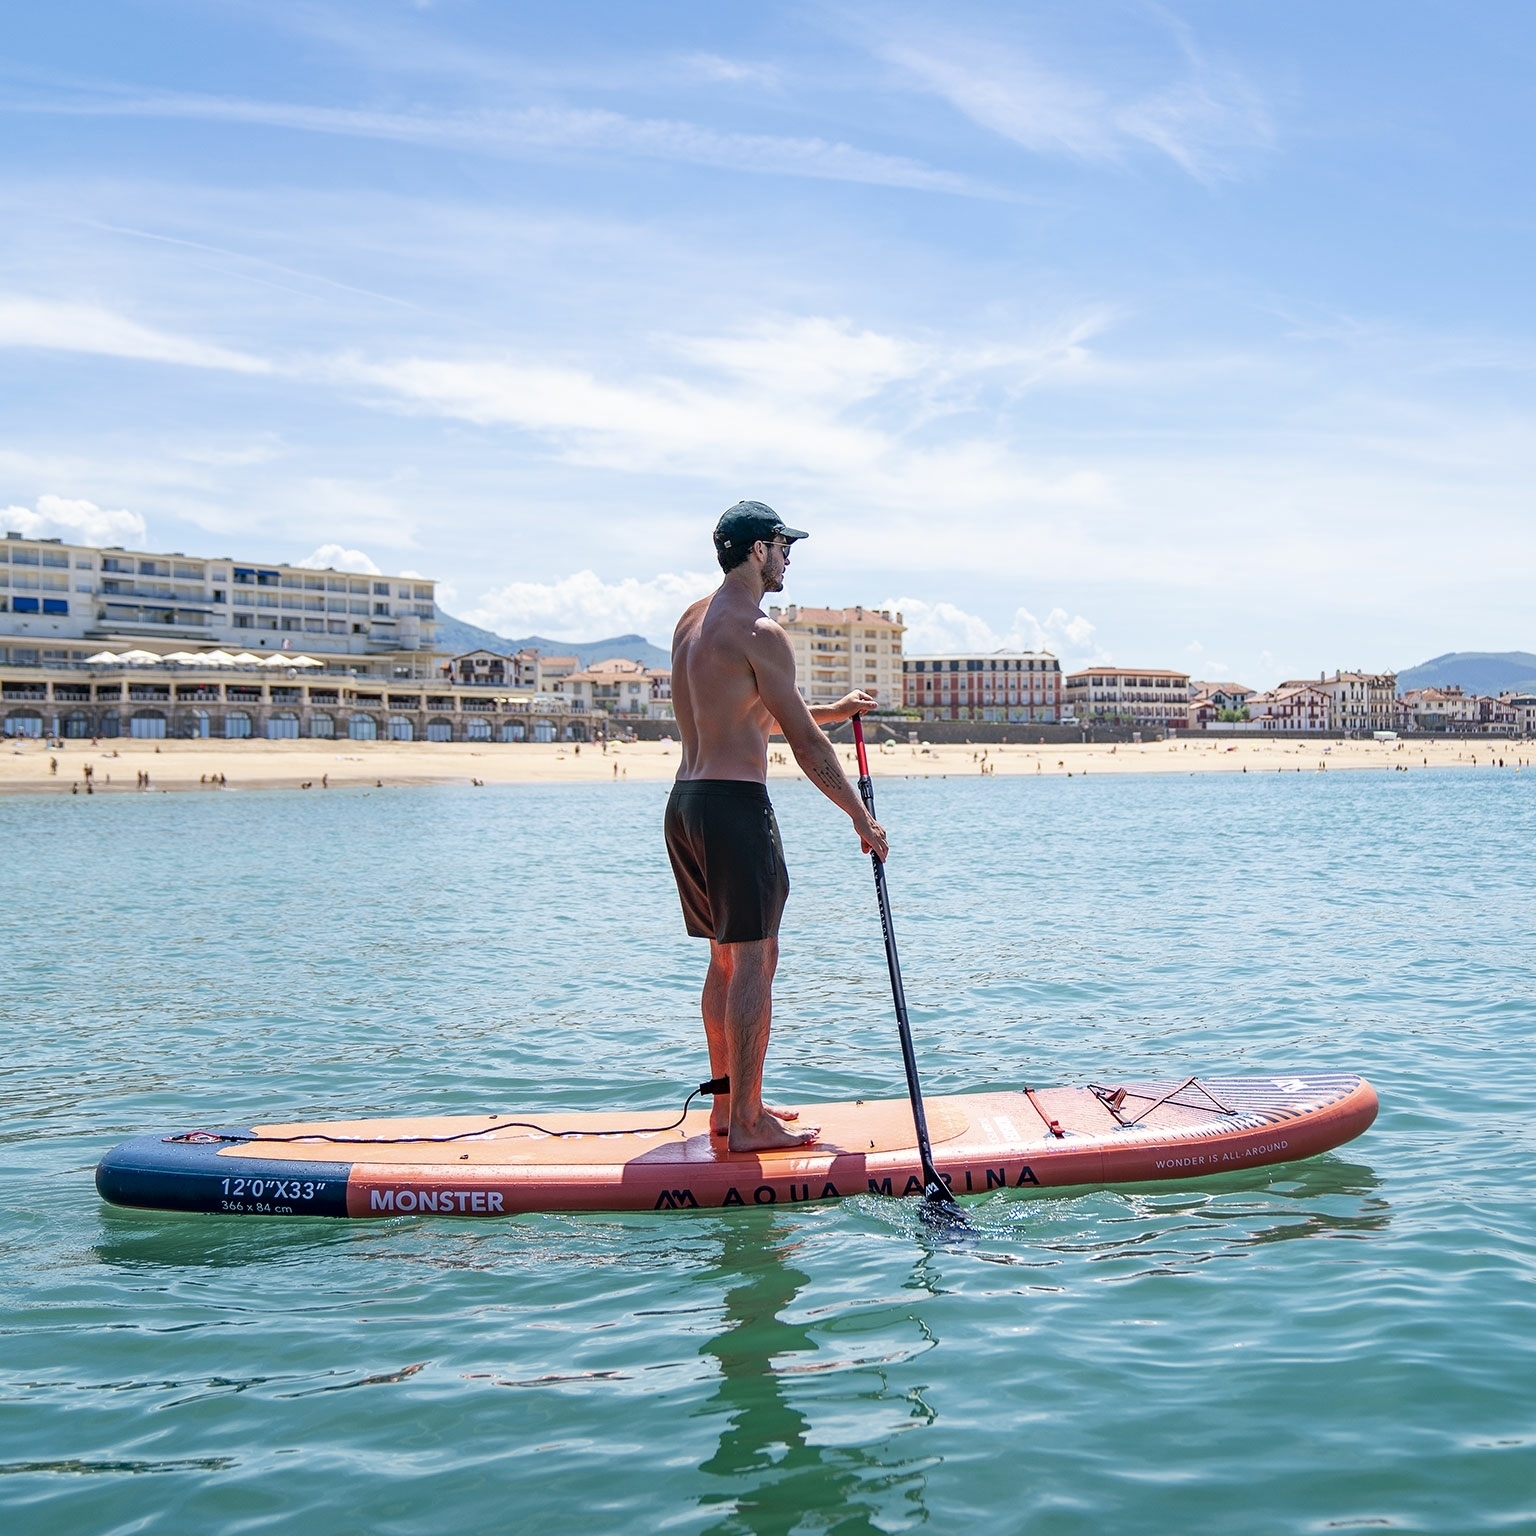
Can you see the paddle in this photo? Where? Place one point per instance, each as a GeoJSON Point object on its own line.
{"type": "Point", "coordinates": [936, 1196]}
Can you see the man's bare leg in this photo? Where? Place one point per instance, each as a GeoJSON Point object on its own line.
{"type": "Point", "coordinates": [716, 989]}
{"type": "Point", "coordinates": [748, 1014]}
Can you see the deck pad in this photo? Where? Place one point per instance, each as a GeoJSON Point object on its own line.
{"type": "Point", "coordinates": [1108, 1133]}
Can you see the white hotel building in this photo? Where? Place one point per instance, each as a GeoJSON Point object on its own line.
{"type": "Point", "coordinates": [112, 642]}
{"type": "Point", "coordinates": [61, 602]}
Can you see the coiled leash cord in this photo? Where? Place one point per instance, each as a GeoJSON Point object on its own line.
{"type": "Point", "coordinates": [716, 1085]}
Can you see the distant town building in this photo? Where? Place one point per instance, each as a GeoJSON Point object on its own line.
{"type": "Point", "coordinates": [486, 669]}
{"type": "Point", "coordinates": [840, 649]}
{"type": "Point", "coordinates": [1497, 717]}
{"type": "Point", "coordinates": [1154, 698]}
{"type": "Point", "coordinates": [1224, 695]}
{"type": "Point", "coordinates": [1359, 702]}
{"type": "Point", "coordinates": [1209, 703]}
{"type": "Point", "coordinates": [1293, 706]}
{"type": "Point", "coordinates": [995, 685]}
{"type": "Point", "coordinates": [620, 688]}
{"type": "Point", "coordinates": [525, 670]}
{"type": "Point", "coordinates": [1437, 709]}
{"type": "Point", "coordinates": [1523, 706]}
{"type": "Point", "coordinates": [63, 602]}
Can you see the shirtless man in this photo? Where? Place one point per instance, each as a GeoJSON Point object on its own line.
{"type": "Point", "coordinates": [733, 681]}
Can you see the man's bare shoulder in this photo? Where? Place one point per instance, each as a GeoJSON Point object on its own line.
{"type": "Point", "coordinates": [770, 632]}
{"type": "Point", "coordinates": [693, 616]}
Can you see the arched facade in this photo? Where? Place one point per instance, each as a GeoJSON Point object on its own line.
{"type": "Point", "coordinates": [24, 722]}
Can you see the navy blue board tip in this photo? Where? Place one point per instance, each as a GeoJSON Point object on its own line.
{"type": "Point", "coordinates": [162, 1174]}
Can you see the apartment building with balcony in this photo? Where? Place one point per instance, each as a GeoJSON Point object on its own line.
{"type": "Point", "coordinates": [1358, 702]}
{"type": "Point", "coordinates": [1146, 698]}
{"type": "Point", "coordinates": [62, 602]}
{"type": "Point", "coordinates": [1293, 706]}
{"type": "Point", "coordinates": [525, 670]}
{"type": "Point", "coordinates": [840, 649]}
{"type": "Point", "coordinates": [1523, 708]}
{"type": "Point", "coordinates": [998, 686]}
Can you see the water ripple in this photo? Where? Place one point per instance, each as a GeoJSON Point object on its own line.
{"type": "Point", "coordinates": [1343, 1344]}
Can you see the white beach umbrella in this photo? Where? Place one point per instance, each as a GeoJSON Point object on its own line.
{"type": "Point", "coordinates": [217, 659]}
{"type": "Point", "coordinates": [183, 658]}
{"type": "Point", "coordinates": [305, 661]}
{"type": "Point", "coordinates": [139, 658]}
{"type": "Point", "coordinates": [245, 659]}
{"type": "Point", "coordinates": [103, 658]}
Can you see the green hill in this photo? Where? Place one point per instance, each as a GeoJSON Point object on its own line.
{"type": "Point", "coordinates": [1485, 672]}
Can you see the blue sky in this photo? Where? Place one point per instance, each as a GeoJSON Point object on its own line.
{"type": "Point", "coordinates": [1187, 335]}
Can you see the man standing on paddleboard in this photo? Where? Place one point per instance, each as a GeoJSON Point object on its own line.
{"type": "Point", "coordinates": [733, 681]}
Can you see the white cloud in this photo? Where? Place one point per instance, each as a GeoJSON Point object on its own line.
{"type": "Point", "coordinates": [81, 522]}
{"type": "Point", "coordinates": [784, 399]}
{"type": "Point", "coordinates": [65, 327]}
{"type": "Point", "coordinates": [526, 130]}
{"type": "Point", "coordinates": [585, 607]}
{"type": "Point", "coordinates": [733, 71]}
{"type": "Point", "coordinates": [1198, 122]}
{"type": "Point", "coordinates": [945, 627]}
{"type": "Point", "coordinates": [335, 558]}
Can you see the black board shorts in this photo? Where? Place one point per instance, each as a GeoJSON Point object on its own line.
{"type": "Point", "coordinates": [726, 854]}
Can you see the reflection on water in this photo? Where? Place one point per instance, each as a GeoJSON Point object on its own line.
{"type": "Point", "coordinates": [772, 1478]}
{"type": "Point", "coordinates": [1171, 1228]}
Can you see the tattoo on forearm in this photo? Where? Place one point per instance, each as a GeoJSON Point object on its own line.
{"type": "Point", "coordinates": [829, 775]}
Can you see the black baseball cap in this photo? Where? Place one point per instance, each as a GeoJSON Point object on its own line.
{"type": "Point", "coordinates": [749, 521]}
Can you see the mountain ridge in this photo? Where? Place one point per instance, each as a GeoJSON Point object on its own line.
{"type": "Point", "coordinates": [455, 636]}
{"type": "Point", "coordinates": [1484, 672]}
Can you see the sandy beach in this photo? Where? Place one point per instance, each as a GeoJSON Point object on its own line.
{"type": "Point", "coordinates": [26, 767]}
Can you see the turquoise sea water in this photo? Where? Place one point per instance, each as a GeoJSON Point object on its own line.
{"type": "Point", "coordinates": [1346, 1343]}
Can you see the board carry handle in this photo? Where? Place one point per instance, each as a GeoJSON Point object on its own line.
{"type": "Point", "coordinates": [935, 1191]}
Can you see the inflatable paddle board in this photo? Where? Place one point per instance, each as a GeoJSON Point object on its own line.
{"type": "Point", "coordinates": [496, 1165]}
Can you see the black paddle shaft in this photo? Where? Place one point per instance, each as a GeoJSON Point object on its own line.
{"type": "Point", "coordinates": [935, 1189]}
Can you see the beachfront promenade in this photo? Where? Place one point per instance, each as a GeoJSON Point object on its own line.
{"type": "Point", "coordinates": [213, 766]}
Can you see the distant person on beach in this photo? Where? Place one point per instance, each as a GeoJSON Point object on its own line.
{"type": "Point", "coordinates": [733, 681]}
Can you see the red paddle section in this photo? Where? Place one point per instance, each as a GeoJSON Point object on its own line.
{"type": "Point", "coordinates": [981, 1142]}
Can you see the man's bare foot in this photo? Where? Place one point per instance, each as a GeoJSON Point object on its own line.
{"type": "Point", "coordinates": [768, 1134]}
{"type": "Point", "coordinates": [720, 1115]}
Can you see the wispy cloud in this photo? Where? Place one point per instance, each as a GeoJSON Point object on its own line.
{"type": "Point", "coordinates": [82, 521]}
{"type": "Point", "coordinates": [1202, 122]}
{"type": "Point", "coordinates": [794, 399]}
{"type": "Point", "coordinates": [733, 71]}
{"type": "Point", "coordinates": [64, 327]}
{"type": "Point", "coordinates": [788, 398]}
{"type": "Point", "coordinates": [532, 130]}
{"type": "Point", "coordinates": [583, 605]}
